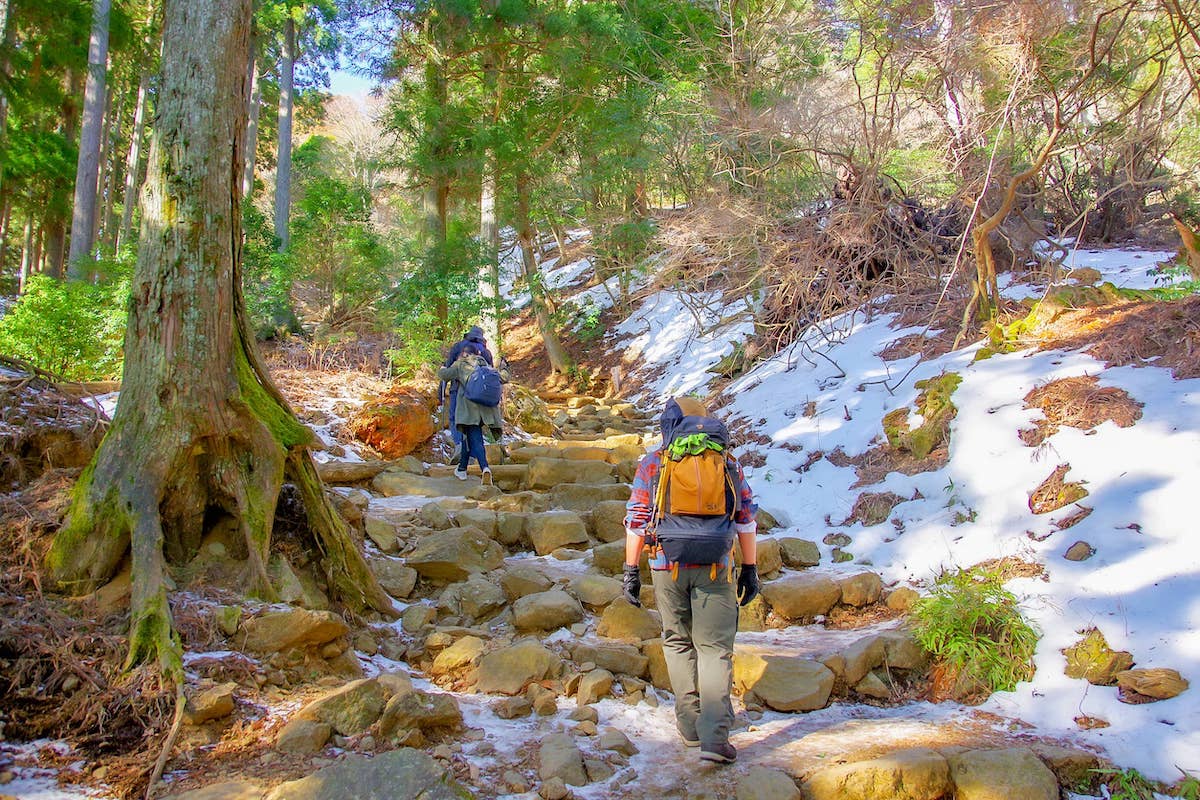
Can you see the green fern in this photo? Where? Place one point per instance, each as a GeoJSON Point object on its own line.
{"type": "Point", "coordinates": [972, 623]}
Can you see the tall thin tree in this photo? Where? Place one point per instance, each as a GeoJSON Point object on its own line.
{"type": "Point", "coordinates": [283, 168]}
{"type": "Point", "coordinates": [83, 212]}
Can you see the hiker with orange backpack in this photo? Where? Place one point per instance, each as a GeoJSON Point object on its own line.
{"type": "Point", "coordinates": [688, 503]}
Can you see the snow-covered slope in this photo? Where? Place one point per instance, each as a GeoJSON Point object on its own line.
{"type": "Point", "coordinates": [1141, 588]}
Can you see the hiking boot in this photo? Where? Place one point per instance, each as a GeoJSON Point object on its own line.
{"type": "Point", "coordinates": [461, 474]}
{"type": "Point", "coordinates": [719, 753]}
{"type": "Point", "coordinates": [486, 478]}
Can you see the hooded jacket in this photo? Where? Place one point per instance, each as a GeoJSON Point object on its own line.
{"type": "Point", "coordinates": [475, 337]}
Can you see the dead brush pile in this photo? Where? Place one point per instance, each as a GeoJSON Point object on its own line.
{"type": "Point", "coordinates": [61, 664]}
{"type": "Point", "coordinates": [808, 267]}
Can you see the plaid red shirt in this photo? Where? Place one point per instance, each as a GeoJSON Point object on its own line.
{"type": "Point", "coordinates": [641, 499]}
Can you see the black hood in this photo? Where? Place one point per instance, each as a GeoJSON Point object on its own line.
{"type": "Point", "coordinates": [475, 334]}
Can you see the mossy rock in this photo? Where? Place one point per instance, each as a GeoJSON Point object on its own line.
{"type": "Point", "coordinates": [936, 410]}
{"type": "Point", "coordinates": [1092, 659]}
{"type": "Point", "coordinates": [524, 409]}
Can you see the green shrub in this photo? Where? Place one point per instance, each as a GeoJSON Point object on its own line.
{"type": "Point", "coordinates": [972, 624]}
{"type": "Point", "coordinates": [74, 329]}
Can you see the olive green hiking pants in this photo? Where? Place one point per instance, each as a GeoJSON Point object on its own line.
{"type": "Point", "coordinates": [700, 617]}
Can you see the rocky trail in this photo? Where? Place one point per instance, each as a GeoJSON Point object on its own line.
{"type": "Point", "coordinates": [515, 668]}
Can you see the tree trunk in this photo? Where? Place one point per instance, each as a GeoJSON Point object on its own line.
{"type": "Point", "coordinates": [201, 436]}
{"type": "Point", "coordinates": [133, 162]}
{"type": "Point", "coordinates": [560, 361]}
{"type": "Point", "coordinates": [7, 37]}
{"type": "Point", "coordinates": [283, 170]}
{"type": "Point", "coordinates": [252, 125]}
{"type": "Point", "coordinates": [83, 211]}
{"type": "Point", "coordinates": [26, 254]}
{"type": "Point", "coordinates": [489, 278]}
{"type": "Point", "coordinates": [108, 145]}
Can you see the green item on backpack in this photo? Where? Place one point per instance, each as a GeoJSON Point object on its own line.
{"type": "Point", "coordinates": [692, 445]}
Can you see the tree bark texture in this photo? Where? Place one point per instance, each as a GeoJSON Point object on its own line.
{"type": "Point", "coordinates": [560, 360]}
{"type": "Point", "coordinates": [283, 169]}
{"type": "Point", "coordinates": [83, 211]}
{"type": "Point", "coordinates": [200, 436]}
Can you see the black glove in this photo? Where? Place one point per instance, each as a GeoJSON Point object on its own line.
{"type": "Point", "coordinates": [633, 585]}
{"type": "Point", "coordinates": [748, 585]}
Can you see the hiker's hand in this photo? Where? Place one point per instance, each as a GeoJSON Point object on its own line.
{"type": "Point", "coordinates": [747, 585]}
{"type": "Point", "coordinates": [633, 585]}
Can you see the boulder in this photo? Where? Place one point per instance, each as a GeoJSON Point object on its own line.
{"type": "Point", "coordinates": [1093, 660]}
{"type": "Point", "coordinates": [483, 519]}
{"type": "Point", "coordinates": [1076, 770]}
{"type": "Point", "coordinates": [902, 599]}
{"type": "Point", "coordinates": [209, 704]}
{"type": "Point", "coordinates": [596, 591]}
{"type": "Point", "coordinates": [417, 616]}
{"type": "Point", "coordinates": [1159, 683]}
{"type": "Point", "coordinates": [873, 686]}
{"type": "Point", "coordinates": [396, 424]}
{"type": "Point", "coordinates": [608, 520]}
{"type": "Point", "coordinates": [554, 529]}
{"type": "Point", "coordinates": [382, 531]}
{"type": "Point", "coordinates": [524, 409]}
{"type": "Point", "coordinates": [454, 554]}
{"type": "Point", "coordinates": [770, 557]}
{"type": "Point", "coordinates": [295, 588]}
{"type": "Point", "coordinates": [296, 627]}
{"type": "Point", "coordinates": [508, 670]}
{"type": "Point", "coordinates": [799, 553]}
{"type": "Point", "coordinates": [901, 650]}
{"type": "Point", "coordinates": [520, 502]}
{"type": "Point", "coordinates": [463, 653]}
{"type": "Point", "coordinates": [861, 589]}
{"type": "Point", "coordinates": [225, 790]}
{"type": "Point", "coordinates": [349, 709]}
{"type": "Point", "coordinates": [479, 597]}
{"type": "Point", "coordinates": [303, 736]}
{"type": "Point", "coordinates": [510, 527]}
{"type": "Point", "coordinates": [546, 473]}
{"type": "Point", "coordinates": [396, 578]}
{"type": "Point", "coordinates": [782, 682]}
{"type": "Point", "coordinates": [622, 659]}
{"type": "Point", "coordinates": [616, 741]}
{"type": "Point", "coordinates": [659, 677]}
{"type": "Point", "coordinates": [394, 482]}
{"type": "Point", "coordinates": [1002, 775]}
{"type": "Point", "coordinates": [560, 758]}
{"type": "Point", "coordinates": [609, 558]}
{"type": "Point", "coordinates": [339, 472]}
{"type": "Point", "coordinates": [763, 783]}
{"type": "Point", "coordinates": [398, 773]}
{"type": "Point", "coordinates": [627, 622]}
{"type": "Point", "coordinates": [917, 774]}
{"type": "Point", "coordinates": [422, 711]}
{"type": "Point", "coordinates": [585, 497]}
{"type": "Point", "coordinates": [521, 580]}
{"type": "Point", "coordinates": [861, 657]}
{"type": "Point", "coordinates": [546, 611]}
{"type": "Point", "coordinates": [593, 686]}
{"type": "Point", "coordinates": [802, 596]}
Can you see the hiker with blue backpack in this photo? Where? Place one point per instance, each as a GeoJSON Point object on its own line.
{"type": "Point", "coordinates": [688, 504]}
{"type": "Point", "coordinates": [473, 338]}
{"type": "Point", "coordinates": [477, 395]}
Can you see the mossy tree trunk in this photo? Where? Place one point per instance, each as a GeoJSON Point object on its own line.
{"type": "Point", "coordinates": [200, 435]}
{"type": "Point", "coordinates": [560, 360]}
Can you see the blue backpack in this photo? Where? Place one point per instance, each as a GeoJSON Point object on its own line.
{"type": "Point", "coordinates": [483, 386]}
